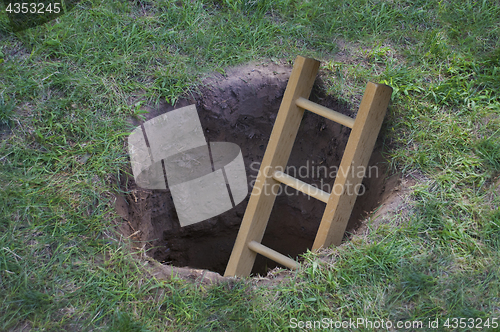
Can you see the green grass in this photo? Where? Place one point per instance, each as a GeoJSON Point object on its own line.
{"type": "Point", "coordinates": [67, 87]}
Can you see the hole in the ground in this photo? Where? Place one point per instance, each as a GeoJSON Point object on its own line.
{"type": "Point", "coordinates": [241, 108]}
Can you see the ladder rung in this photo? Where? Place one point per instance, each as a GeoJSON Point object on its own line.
{"type": "Point", "coordinates": [301, 186]}
{"type": "Point", "coordinates": [325, 112]}
{"type": "Point", "coordinates": [272, 254]}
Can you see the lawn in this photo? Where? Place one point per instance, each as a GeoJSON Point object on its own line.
{"type": "Point", "coordinates": [67, 88]}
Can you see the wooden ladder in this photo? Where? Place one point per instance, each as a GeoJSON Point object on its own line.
{"type": "Point", "coordinates": [339, 203]}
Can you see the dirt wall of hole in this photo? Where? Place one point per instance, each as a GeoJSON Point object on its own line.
{"type": "Point", "coordinates": [241, 107]}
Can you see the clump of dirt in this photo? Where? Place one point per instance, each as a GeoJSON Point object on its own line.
{"type": "Point", "coordinates": [240, 107]}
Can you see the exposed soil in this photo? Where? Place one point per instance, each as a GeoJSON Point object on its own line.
{"type": "Point", "coordinates": [241, 108]}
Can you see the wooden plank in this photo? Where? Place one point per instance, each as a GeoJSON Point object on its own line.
{"type": "Point", "coordinates": [274, 255]}
{"type": "Point", "coordinates": [301, 186]}
{"type": "Point", "coordinates": [325, 112]}
{"type": "Point", "coordinates": [355, 160]}
{"type": "Point", "coordinates": [277, 153]}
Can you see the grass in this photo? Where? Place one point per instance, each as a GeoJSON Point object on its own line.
{"type": "Point", "coordinates": [67, 87]}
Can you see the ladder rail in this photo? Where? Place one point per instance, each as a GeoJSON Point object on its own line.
{"type": "Point", "coordinates": [357, 153]}
{"type": "Point", "coordinates": [277, 153]}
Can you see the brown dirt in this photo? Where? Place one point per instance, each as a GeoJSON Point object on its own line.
{"type": "Point", "coordinates": [241, 107]}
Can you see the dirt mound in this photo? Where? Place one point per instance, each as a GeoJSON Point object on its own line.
{"type": "Point", "coordinates": [240, 107]}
